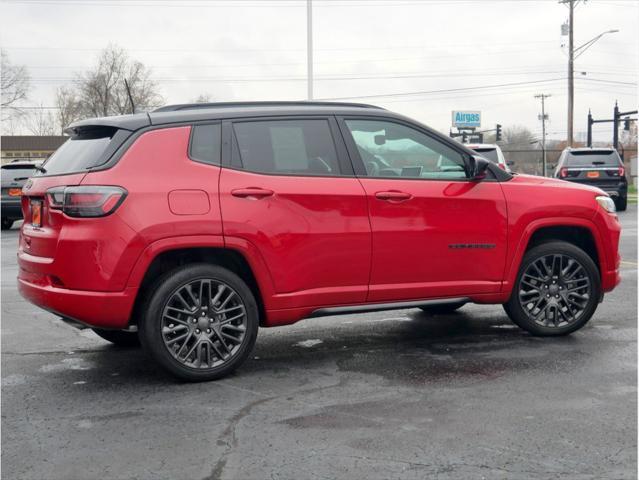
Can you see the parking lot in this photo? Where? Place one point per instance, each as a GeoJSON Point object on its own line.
{"type": "Point", "coordinates": [384, 395]}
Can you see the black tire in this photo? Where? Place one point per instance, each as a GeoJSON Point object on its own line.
{"type": "Point", "coordinates": [562, 324]}
{"type": "Point", "coordinates": [443, 309]}
{"type": "Point", "coordinates": [7, 223]}
{"type": "Point", "coordinates": [621, 203]}
{"type": "Point", "coordinates": [152, 325]}
{"type": "Point", "coordinates": [119, 337]}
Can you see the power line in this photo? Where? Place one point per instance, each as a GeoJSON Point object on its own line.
{"type": "Point", "coordinates": [425, 92]}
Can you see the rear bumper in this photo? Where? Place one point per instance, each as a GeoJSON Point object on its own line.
{"type": "Point", "coordinates": [94, 309]}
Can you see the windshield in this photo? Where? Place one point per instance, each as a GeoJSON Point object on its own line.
{"type": "Point", "coordinates": [16, 173]}
{"type": "Point", "coordinates": [592, 158]}
{"type": "Point", "coordinates": [488, 153]}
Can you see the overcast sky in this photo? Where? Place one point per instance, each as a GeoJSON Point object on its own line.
{"type": "Point", "coordinates": [256, 50]}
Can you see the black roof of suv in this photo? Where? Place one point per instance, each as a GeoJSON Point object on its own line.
{"type": "Point", "coordinates": [194, 112]}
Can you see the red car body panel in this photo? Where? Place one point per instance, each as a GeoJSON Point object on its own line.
{"type": "Point", "coordinates": [306, 225]}
{"type": "Point", "coordinates": [428, 229]}
{"type": "Point", "coordinates": [312, 242]}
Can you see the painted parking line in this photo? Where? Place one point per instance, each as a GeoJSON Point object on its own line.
{"type": "Point", "coordinates": [630, 264]}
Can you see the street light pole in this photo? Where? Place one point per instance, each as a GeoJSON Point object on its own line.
{"type": "Point", "coordinates": [309, 48]}
{"type": "Point", "coordinates": [543, 97]}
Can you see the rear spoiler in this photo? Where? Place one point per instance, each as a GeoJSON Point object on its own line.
{"type": "Point", "coordinates": [119, 122]}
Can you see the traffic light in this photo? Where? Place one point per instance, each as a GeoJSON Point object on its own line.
{"type": "Point", "coordinates": [626, 124]}
{"type": "Point", "coordinates": [498, 133]}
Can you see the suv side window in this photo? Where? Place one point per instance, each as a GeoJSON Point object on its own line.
{"type": "Point", "coordinates": [390, 149]}
{"type": "Point", "coordinates": [286, 147]}
{"type": "Point", "coordinates": [206, 141]}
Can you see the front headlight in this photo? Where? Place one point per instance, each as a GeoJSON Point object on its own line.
{"type": "Point", "coordinates": [606, 203]}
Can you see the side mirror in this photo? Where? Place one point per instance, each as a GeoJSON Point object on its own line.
{"type": "Point", "coordinates": [478, 167]}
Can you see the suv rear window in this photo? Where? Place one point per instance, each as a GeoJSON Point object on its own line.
{"type": "Point", "coordinates": [594, 157]}
{"type": "Point", "coordinates": [20, 172]}
{"type": "Point", "coordinates": [289, 147]}
{"type": "Point", "coordinates": [88, 149]}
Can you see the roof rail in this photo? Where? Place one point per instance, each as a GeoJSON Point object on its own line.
{"type": "Point", "coordinates": [195, 106]}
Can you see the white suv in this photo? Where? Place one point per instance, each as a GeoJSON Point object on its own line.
{"type": "Point", "coordinates": [492, 152]}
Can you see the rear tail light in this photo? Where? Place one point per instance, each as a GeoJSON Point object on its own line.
{"type": "Point", "coordinates": [563, 173]}
{"type": "Point", "coordinates": [15, 192]}
{"type": "Point", "coordinates": [502, 166]}
{"type": "Point", "coordinates": [36, 213]}
{"type": "Point", "coordinates": [86, 201]}
{"type": "Point", "coordinates": [622, 171]}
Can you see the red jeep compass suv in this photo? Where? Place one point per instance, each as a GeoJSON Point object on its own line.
{"type": "Point", "coordinates": [192, 225]}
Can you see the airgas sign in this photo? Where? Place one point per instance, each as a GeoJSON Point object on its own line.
{"type": "Point", "coordinates": [466, 119]}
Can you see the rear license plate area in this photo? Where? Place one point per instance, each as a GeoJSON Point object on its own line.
{"type": "Point", "coordinates": [592, 174]}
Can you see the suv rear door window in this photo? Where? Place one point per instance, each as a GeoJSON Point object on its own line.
{"type": "Point", "coordinates": [288, 147]}
{"type": "Point", "coordinates": [593, 158]}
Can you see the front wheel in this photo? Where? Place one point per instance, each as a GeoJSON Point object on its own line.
{"type": "Point", "coordinates": [201, 322]}
{"type": "Point", "coordinates": [556, 292]}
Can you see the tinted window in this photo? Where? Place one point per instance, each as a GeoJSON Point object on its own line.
{"type": "Point", "coordinates": [80, 152]}
{"type": "Point", "coordinates": [390, 149]}
{"type": "Point", "coordinates": [20, 172]}
{"type": "Point", "coordinates": [488, 153]}
{"type": "Point", "coordinates": [294, 147]}
{"type": "Point", "coordinates": [592, 158]}
{"type": "Point", "coordinates": [206, 143]}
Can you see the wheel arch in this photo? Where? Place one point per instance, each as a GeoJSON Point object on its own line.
{"type": "Point", "coordinates": [168, 254]}
{"type": "Point", "coordinates": [580, 232]}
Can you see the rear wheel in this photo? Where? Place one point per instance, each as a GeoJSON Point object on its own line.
{"type": "Point", "coordinates": [621, 203]}
{"type": "Point", "coordinates": [201, 322]}
{"type": "Point", "coordinates": [7, 223]}
{"type": "Point", "coordinates": [119, 337]}
{"type": "Point", "coordinates": [556, 292]}
{"type": "Point", "coordinates": [444, 308]}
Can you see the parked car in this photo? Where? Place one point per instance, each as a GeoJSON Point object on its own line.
{"type": "Point", "coordinates": [599, 167]}
{"type": "Point", "coordinates": [14, 175]}
{"type": "Point", "coordinates": [492, 152]}
{"type": "Point", "coordinates": [189, 227]}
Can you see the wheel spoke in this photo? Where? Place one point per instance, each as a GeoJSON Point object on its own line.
{"type": "Point", "coordinates": [198, 307]}
{"type": "Point", "coordinates": [554, 290]}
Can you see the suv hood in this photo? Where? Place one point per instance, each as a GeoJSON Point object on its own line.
{"type": "Point", "coordinates": [554, 182]}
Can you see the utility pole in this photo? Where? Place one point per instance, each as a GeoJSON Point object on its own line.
{"type": "Point", "coordinates": [309, 47]}
{"type": "Point", "coordinates": [571, 73]}
{"type": "Point", "coordinates": [543, 118]}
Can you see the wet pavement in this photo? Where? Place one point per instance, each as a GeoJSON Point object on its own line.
{"type": "Point", "coordinates": [396, 394]}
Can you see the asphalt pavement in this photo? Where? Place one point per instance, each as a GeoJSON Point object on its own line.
{"type": "Point", "coordinates": [397, 394]}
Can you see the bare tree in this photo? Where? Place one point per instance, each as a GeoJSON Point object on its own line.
{"type": "Point", "coordinates": [39, 121]}
{"type": "Point", "coordinates": [69, 108]}
{"type": "Point", "coordinates": [102, 90]}
{"type": "Point", "coordinates": [14, 84]}
{"type": "Point", "coordinates": [519, 136]}
{"type": "Point", "coordinates": [203, 98]}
